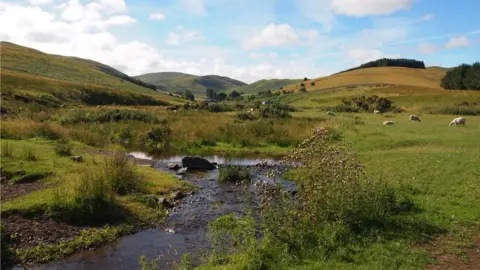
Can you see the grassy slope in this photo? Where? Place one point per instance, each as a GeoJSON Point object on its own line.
{"type": "Point", "coordinates": [180, 82]}
{"type": "Point", "coordinates": [429, 78]}
{"type": "Point", "coordinates": [264, 85]}
{"type": "Point", "coordinates": [28, 71]}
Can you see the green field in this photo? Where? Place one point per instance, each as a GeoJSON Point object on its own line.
{"type": "Point", "coordinates": [416, 208]}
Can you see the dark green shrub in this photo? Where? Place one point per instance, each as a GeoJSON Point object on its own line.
{"type": "Point", "coordinates": [233, 174]}
{"type": "Point", "coordinates": [365, 104]}
{"type": "Point", "coordinates": [246, 116]}
{"type": "Point", "coordinates": [116, 115]}
{"type": "Point", "coordinates": [159, 137]}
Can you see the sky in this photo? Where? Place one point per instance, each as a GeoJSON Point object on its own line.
{"type": "Point", "coordinates": [246, 40]}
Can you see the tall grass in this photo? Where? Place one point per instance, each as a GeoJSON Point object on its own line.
{"type": "Point", "coordinates": [233, 174]}
{"type": "Point", "coordinates": [89, 198]}
{"type": "Point", "coordinates": [7, 150]}
{"type": "Point", "coordinates": [29, 154]}
{"type": "Point", "coordinates": [337, 209]}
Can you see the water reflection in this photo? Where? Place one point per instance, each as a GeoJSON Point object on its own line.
{"type": "Point", "coordinates": [231, 160]}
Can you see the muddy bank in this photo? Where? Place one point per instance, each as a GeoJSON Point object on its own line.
{"type": "Point", "coordinates": [184, 231]}
{"type": "Point", "coordinates": [11, 191]}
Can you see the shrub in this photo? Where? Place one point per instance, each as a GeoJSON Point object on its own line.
{"type": "Point", "coordinates": [365, 104]}
{"type": "Point", "coordinates": [63, 148]}
{"type": "Point", "coordinates": [233, 174]}
{"type": "Point", "coordinates": [312, 83]}
{"type": "Point", "coordinates": [159, 137]}
{"type": "Point", "coordinates": [275, 110]}
{"type": "Point", "coordinates": [303, 90]}
{"type": "Point", "coordinates": [245, 116]}
{"type": "Point", "coordinates": [116, 115]}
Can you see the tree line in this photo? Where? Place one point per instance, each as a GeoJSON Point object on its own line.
{"type": "Point", "coordinates": [463, 77]}
{"type": "Point", "coordinates": [387, 62]}
{"type": "Point", "coordinates": [212, 95]}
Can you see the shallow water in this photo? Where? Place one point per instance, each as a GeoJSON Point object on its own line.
{"type": "Point", "coordinates": [244, 160]}
{"type": "Point", "coordinates": [189, 220]}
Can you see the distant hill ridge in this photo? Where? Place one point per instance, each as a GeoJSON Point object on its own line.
{"type": "Point", "coordinates": [387, 62]}
{"type": "Point", "coordinates": [175, 82]}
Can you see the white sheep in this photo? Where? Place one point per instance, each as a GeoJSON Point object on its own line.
{"type": "Point", "coordinates": [388, 123]}
{"type": "Point", "coordinates": [377, 112]}
{"type": "Point", "coordinates": [414, 118]}
{"type": "Point", "coordinates": [331, 113]}
{"type": "Point", "coordinates": [458, 121]}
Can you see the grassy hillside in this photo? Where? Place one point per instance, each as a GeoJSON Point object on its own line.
{"type": "Point", "coordinates": [429, 78]}
{"type": "Point", "coordinates": [265, 85]}
{"type": "Point", "coordinates": [180, 82]}
{"type": "Point", "coordinates": [30, 75]}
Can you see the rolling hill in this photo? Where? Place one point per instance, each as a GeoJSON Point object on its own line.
{"type": "Point", "coordinates": [29, 75]}
{"type": "Point", "coordinates": [174, 82]}
{"type": "Point", "coordinates": [265, 85]}
{"type": "Point", "coordinates": [429, 78]}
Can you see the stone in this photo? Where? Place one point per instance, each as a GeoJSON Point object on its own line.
{"type": "Point", "coordinates": [197, 163]}
{"type": "Point", "coordinates": [173, 166]}
{"type": "Point", "coordinates": [164, 202]}
{"type": "Point", "coordinates": [182, 170]}
{"type": "Point", "coordinates": [77, 158]}
{"type": "Point", "coordinates": [178, 195]}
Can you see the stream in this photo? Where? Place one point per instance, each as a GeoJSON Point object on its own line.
{"type": "Point", "coordinates": [188, 220]}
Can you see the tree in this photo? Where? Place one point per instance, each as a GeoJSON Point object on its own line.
{"type": "Point", "coordinates": [234, 95]}
{"type": "Point", "coordinates": [302, 84]}
{"type": "Point", "coordinates": [312, 83]}
{"type": "Point", "coordinates": [211, 94]}
{"type": "Point", "coordinates": [188, 95]}
{"type": "Point", "coordinates": [305, 79]}
{"type": "Point", "coordinates": [463, 77]}
{"type": "Point", "coordinates": [221, 96]}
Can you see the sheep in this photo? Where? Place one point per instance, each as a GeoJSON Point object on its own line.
{"type": "Point", "coordinates": [388, 123]}
{"type": "Point", "coordinates": [414, 118]}
{"type": "Point", "coordinates": [62, 106]}
{"type": "Point", "coordinates": [377, 112]}
{"type": "Point", "coordinates": [331, 113]}
{"type": "Point", "coordinates": [458, 121]}
{"type": "Point", "coordinates": [98, 106]}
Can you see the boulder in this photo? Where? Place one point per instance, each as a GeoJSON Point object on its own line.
{"type": "Point", "coordinates": [173, 166]}
{"type": "Point", "coordinates": [182, 170]}
{"type": "Point", "coordinates": [77, 158]}
{"type": "Point", "coordinates": [197, 163]}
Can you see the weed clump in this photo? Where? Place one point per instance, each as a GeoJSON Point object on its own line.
{"type": "Point", "coordinates": [90, 199]}
{"type": "Point", "coordinates": [29, 155]}
{"type": "Point", "coordinates": [366, 104]}
{"type": "Point", "coordinates": [63, 148]}
{"type": "Point", "coordinates": [233, 174]}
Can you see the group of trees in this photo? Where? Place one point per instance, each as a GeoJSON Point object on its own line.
{"type": "Point", "coordinates": [212, 95]}
{"type": "Point", "coordinates": [387, 62]}
{"type": "Point", "coordinates": [463, 77]}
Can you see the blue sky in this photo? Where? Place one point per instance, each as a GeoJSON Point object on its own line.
{"type": "Point", "coordinates": [246, 39]}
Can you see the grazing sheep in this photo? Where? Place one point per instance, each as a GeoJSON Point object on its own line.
{"type": "Point", "coordinates": [377, 112]}
{"type": "Point", "coordinates": [388, 123]}
{"type": "Point", "coordinates": [414, 118]}
{"type": "Point", "coordinates": [62, 106]}
{"type": "Point", "coordinates": [458, 121]}
{"type": "Point", "coordinates": [98, 106]}
{"type": "Point", "coordinates": [330, 113]}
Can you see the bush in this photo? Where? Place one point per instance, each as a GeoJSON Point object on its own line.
{"type": "Point", "coordinates": [303, 90]}
{"type": "Point", "coordinates": [63, 148]}
{"type": "Point", "coordinates": [158, 137]}
{"type": "Point", "coordinates": [116, 115]}
{"type": "Point", "coordinates": [233, 174]}
{"type": "Point", "coordinates": [245, 116]}
{"type": "Point", "coordinates": [275, 110]}
{"type": "Point", "coordinates": [365, 104]}
{"type": "Point", "coordinates": [463, 77]}
{"type": "Point", "coordinates": [312, 83]}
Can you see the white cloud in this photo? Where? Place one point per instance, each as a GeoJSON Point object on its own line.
{"type": "Point", "coordinates": [454, 42]}
{"type": "Point", "coordinates": [120, 20]}
{"type": "Point", "coordinates": [40, 2]}
{"type": "Point", "coordinates": [426, 48]}
{"type": "Point", "coordinates": [428, 17]}
{"type": "Point", "coordinates": [183, 36]}
{"type": "Point", "coordinates": [255, 55]}
{"type": "Point", "coordinates": [361, 8]}
{"type": "Point", "coordinates": [156, 17]}
{"type": "Point", "coordinates": [271, 36]}
{"type": "Point", "coordinates": [318, 11]}
{"type": "Point", "coordinates": [194, 6]}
